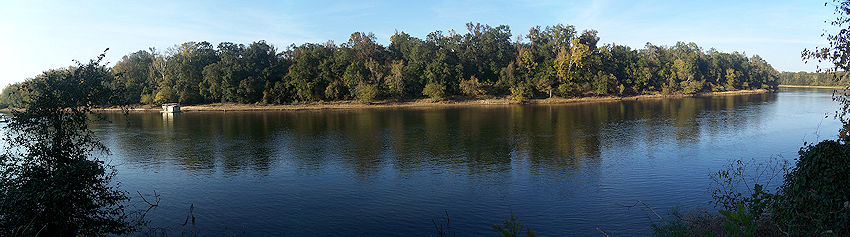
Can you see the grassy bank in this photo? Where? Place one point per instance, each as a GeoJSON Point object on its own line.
{"type": "Point", "coordinates": [353, 104]}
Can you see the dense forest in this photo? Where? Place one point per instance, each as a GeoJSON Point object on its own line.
{"type": "Point", "coordinates": [485, 61]}
{"type": "Point", "coordinates": [814, 78]}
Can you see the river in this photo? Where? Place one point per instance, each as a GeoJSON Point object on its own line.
{"type": "Point", "coordinates": [560, 169]}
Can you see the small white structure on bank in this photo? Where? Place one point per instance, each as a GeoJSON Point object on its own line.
{"type": "Point", "coordinates": [171, 108]}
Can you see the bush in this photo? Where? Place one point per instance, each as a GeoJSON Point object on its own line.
{"type": "Point", "coordinates": [434, 90]}
{"type": "Point", "coordinates": [815, 198]}
{"type": "Point", "coordinates": [366, 92]}
{"type": "Point", "coordinates": [521, 92]}
{"type": "Point", "coordinates": [751, 178]}
{"type": "Point", "coordinates": [739, 221]}
{"type": "Point", "coordinates": [745, 205]}
{"type": "Point", "coordinates": [165, 95]}
{"type": "Point", "coordinates": [335, 90]}
{"type": "Point", "coordinates": [696, 222]}
{"type": "Point", "coordinates": [569, 89]}
{"type": "Point", "coordinates": [601, 83]}
{"type": "Point", "coordinates": [692, 87]}
{"type": "Point", "coordinates": [147, 99]}
{"type": "Point", "coordinates": [472, 87]}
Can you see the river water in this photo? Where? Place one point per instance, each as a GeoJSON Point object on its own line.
{"type": "Point", "coordinates": [560, 169]}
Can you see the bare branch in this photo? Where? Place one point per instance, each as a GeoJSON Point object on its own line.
{"type": "Point", "coordinates": [648, 207]}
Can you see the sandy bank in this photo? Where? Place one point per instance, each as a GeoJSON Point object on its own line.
{"type": "Point", "coordinates": [419, 103]}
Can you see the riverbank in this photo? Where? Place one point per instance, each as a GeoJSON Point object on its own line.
{"type": "Point", "coordinates": [824, 87]}
{"type": "Point", "coordinates": [352, 104]}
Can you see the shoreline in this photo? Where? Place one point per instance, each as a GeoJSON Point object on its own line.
{"type": "Point", "coordinates": [420, 103]}
{"type": "Point", "coordinates": [822, 87]}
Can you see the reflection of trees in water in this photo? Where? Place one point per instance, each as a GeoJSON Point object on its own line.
{"type": "Point", "coordinates": [466, 140]}
{"type": "Point", "coordinates": [559, 137]}
{"type": "Point", "coordinates": [727, 112]}
{"type": "Point", "coordinates": [693, 115]}
{"type": "Point", "coordinates": [473, 140]}
{"type": "Point", "coordinates": [566, 136]}
{"type": "Point", "coordinates": [196, 141]}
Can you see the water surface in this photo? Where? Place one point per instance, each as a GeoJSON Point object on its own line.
{"type": "Point", "coordinates": [561, 169]}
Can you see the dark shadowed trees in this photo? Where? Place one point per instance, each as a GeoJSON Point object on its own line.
{"type": "Point", "coordinates": [52, 181]}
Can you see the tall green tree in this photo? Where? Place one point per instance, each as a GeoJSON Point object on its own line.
{"type": "Point", "coordinates": [183, 73]}
{"type": "Point", "coordinates": [569, 65]}
{"type": "Point", "coordinates": [11, 96]}
{"type": "Point", "coordinates": [132, 76]}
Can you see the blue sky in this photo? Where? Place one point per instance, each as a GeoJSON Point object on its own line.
{"type": "Point", "coordinates": [39, 35]}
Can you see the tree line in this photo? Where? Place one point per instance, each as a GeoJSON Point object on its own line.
{"type": "Point", "coordinates": [840, 78]}
{"type": "Point", "coordinates": [486, 61]}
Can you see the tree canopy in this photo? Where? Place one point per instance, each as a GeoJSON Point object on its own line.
{"type": "Point", "coordinates": [485, 61]}
{"type": "Point", "coordinates": [815, 78]}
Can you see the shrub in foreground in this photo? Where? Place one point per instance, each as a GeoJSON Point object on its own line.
{"type": "Point", "coordinates": [815, 198]}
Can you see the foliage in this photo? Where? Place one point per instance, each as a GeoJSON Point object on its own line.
{"type": "Point", "coordinates": [815, 78]}
{"type": "Point", "coordinates": [520, 92]}
{"type": "Point", "coordinates": [512, 227]}
{"type": "Point", "coordinates": [696, 222]}
{"type": "Point", "coordinates": [691, 87]}
{"type": "Point", "coordinates": [739, 221]}
{"type": "Point", "coordinates": [742, 191]}
{"type": "Point", "coordinates": [132, 77]}
{"type": "Point", "coordinates": [366, 93]}
{"type": "Point", "coordinates": [484, 61]}
{"type": "Point", "coordinates": [472, 87]}
{"type": "Point", "coordinates": [183, 73]}
{"type": "Point", "coordinates": [744, 183]}
{"type": "Point", "coordinates": [814, 198]}
{"type": "Point", "coordinates": [395, 82]}
{"type": "Point", "coordinates": [11, 96]}
{"type": "Point", "coordinates": [568, 89]}
{"type": "Point", "coordinates": [51, 181]}
{"type": "Point", "coordinates": [602, 83]}
{"type": "Point", "coordinates": [146, 99]}
{"type": "Point", "coordinates": [434, 90]}
{"type": "Point", "coordinates": [746, 206]}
